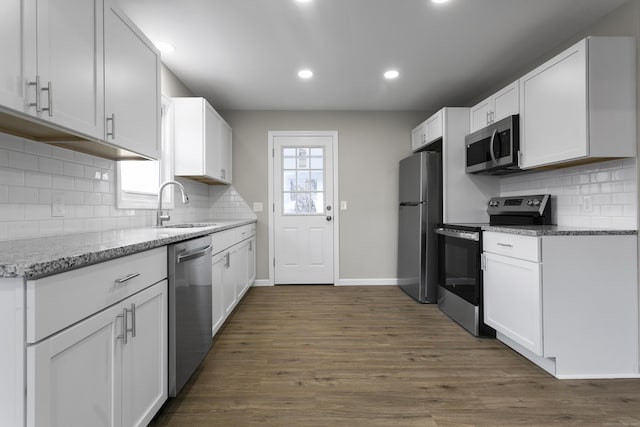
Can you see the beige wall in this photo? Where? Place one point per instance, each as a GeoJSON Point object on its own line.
{"type": "Point", "coordinates": [370, 146]}
{"type": "Point", "coordinates": [170, 85]}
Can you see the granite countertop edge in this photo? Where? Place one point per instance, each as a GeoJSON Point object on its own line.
{"type": "Point", "coordinates": [556, 230]}
{"type": "Point", "coordinates": [36, 258]}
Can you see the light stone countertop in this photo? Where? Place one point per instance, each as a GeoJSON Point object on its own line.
{"type": "Point", "coordinates": [555, 230]}
{"type": "Point", "coordinates": [39, 257]}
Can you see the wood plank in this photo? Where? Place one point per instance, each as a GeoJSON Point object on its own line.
{"type": "Point", "coordinates": [370, 356]}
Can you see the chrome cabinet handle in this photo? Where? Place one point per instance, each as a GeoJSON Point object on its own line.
{"type": "Point", "coordinates": [505, 245]}
{"type": "Point", "coordinates": [124, 329]}
{"type": "Point", "coordinates": [126, 278]}
{"type": "Point", "coordinates": [227, 262]}
{"type": "Point", "coordinates": [250, 245]}
{"type": "Point", "coordinates": [112, 119]}
{"type": "Point", "coordinates": [37, 85]}
{"type": "Point", "coordinates": [133, 321]}
{"type": "Point", "coordinates": [49, 90]}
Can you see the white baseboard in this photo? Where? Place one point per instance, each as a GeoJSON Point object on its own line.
{"type": "Point", "coordinates": [367, 282]}
{"type": "Point", "coordinates": [262, 282]}
{"type": "Point", "coordinates": [342, 282]}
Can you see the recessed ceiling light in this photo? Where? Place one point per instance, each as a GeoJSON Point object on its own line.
{"type": "Point", "coordinates": [305, 74]}
{"type": "Point", "coordinates": [391, 74]}
{"type": "Point", "coordinates": [439, 1]}
{"type": "Point", "coordinates": [165, 47]}
{"type": "Point", "coordinates": [304, 1]}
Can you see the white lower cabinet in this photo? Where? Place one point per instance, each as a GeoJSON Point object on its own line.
{"type": "Point", "coordinates": [233, 270]}
{"type": "Point", "coordinates": [513, 306]}
{"type": "Point", "coordinates": [569, 303]}
{"type": "Point", "coordinates": [108, 370]}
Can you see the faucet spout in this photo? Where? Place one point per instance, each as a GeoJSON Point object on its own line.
{"type": "Point", "coordinates": [160, 218]}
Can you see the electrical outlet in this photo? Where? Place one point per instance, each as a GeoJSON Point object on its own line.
{"type": "Point", "coordinates": [57, 205]}
{"type": "Point", "coordinates": [343, 205]}
{"type": "Point", "coordinates": [587, 204]}
{"type": "Point", "coordinates": [257, 206]}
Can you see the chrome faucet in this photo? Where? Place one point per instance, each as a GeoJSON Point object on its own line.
{"type": "Point", "coordinates": [185, 199]}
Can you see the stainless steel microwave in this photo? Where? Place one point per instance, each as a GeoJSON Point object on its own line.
{"type": "Point", "coordinates": [493, 150]}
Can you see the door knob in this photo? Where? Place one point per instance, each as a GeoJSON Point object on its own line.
{"type": "Point", "coordinates": [329, 218]}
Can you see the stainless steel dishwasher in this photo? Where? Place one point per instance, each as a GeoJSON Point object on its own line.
{"type": "Point", "coordinates": [189, 309]}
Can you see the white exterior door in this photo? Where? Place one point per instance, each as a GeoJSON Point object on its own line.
{"type": "Point", "coordinates": [303, 209]}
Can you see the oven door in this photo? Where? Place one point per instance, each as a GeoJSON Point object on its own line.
{"type": "Point", "coordinates": [459, 271]}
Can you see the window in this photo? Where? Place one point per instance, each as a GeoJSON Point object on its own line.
{"type": "Point", "coordinates": [303, 179]}
{"type": "Point", "coordinates": [138, 180]}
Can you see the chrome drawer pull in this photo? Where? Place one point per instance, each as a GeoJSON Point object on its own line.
{"type": "Point", "coordinates": [126, 278]}
{"type": "Point", "coordinates": [506, 245]}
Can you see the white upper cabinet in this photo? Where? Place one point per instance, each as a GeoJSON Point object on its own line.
{"type": "Point", "coordinates": [427, 132]}
{"type": "Point", "coordinates": [501, 104]}
{"type": "Point", "coordinates": [132, 86]}
{"type": "Point", "coordinates": [53, 62]}
{"type": "Point", "coordinates": [14, 43]}
{"type": "Point", "coordinates": [580, 106]}
{"type": "Point", "coordinates": [202, 140]}
{"type": "Point", "coordinates": [77, 72]}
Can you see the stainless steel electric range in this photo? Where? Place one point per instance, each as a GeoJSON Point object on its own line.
{"type": "Point", "coordinates": [460, 249]}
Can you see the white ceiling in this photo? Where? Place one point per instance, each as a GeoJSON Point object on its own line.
{"type": "Point", "coordinates": [245, 54]}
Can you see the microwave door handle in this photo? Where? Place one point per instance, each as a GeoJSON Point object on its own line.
{"type": "Point", "coordinates": [493, 138]}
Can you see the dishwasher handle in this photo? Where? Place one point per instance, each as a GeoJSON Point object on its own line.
{"type": "Point", "coordinates": [466, 235]}
{"type": "Point", "coordinates": [196, 253]}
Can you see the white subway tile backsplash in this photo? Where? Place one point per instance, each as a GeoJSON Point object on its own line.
{"type": "Point", "coordinates": [11, 142]}
{"type": "Point", "coordinates": [24, 195]}
{"type": "Point", "coordinates": [11, 176]}
{"type": "Point", "coordinates": [37, 212]}
{"type": "Point", "coordinates": [611, 187]}
{"type": "Point", "coordinates": [4, 158]}
{"type": "Point", "coordinates": [81, 184]}
{"type": "Point", "coordinates": [36, 148]}
{"type": "Point", "coordinates": [73, 169]}
{"type": "Point", "coordinates": [11, 212]}
{"type": "Point", "coordinates": [60, 153]}
{"type": "Point", "coordinates": [4, 194]}
{"type": "Point", "coordinates": [39, 180]}
{"type": "Point", "coordinates": [19, 160]}
{"type": "Point", "coordinates": [63, 182]}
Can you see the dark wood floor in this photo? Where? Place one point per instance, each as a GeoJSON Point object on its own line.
{"type": "Point", "coordinates": [370, 356]}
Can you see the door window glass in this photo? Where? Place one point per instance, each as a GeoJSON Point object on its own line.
{"type": "Point", "coordinates": [303, 180]}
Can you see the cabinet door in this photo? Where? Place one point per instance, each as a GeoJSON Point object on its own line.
{"type": "Point", "coordinates": [418, 137]}
{"type": "Point", "coordinates": [512, 299]}
{"type": "Point", "coordinates": [229, 295]}
{"type": "Point", "coordinates": [434, 127]}
{"type": "Point", "coordinates": [212, 133]}
{"type": "Point", "coordinates": [226, 153]}
{"type": "Point", "coordinates": [553, 107]}
{"type": "Point", "coordinates": [17, 43]}
{"type": "Point", "coordinates": [73, 377]}
{"type": "Point", "coordinates": [242, 268]}
{"type": "Point", "coordinates": [218, 263]}
{"type": "Point", "coordinates": [252, 260]}
{"type": "Point", "coordinates": [479, 115]}
{"type": "Point", "coordinates": [132, 86]}
{"type": "Point", "coordinates": [144, 357]}
{"type": "Point", "coordinates": [70, 64]}
{"type": "Point", "coordinates": [506, 102]}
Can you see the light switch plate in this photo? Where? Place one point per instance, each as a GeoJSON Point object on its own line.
{"type": "Point", "coordinates": [343, 205]}
{"type": "Point", "coordinates": [57, 205]}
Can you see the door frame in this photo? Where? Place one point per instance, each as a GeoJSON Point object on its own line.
{"type": "Point", "coordinates": [271, 202]}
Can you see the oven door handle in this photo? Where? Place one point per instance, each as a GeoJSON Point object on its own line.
{"type": "Point", "coordinates": [466, 235]}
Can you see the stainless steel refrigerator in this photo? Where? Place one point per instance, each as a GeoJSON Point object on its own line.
{"type": "Point", "coordinates": [420, 211]}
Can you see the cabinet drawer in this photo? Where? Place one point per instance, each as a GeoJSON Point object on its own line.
{"type": "Point", "coordinates": [58, 301]}
{"type": "Point", "coordinates": [223, 240]}
{"type": "Point", "coordinates": [513, 245]}
{"type": "Point", "coordinates": [246, 231]}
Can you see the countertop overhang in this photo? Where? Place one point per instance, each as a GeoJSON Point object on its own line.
{"type": "Point", "coordinates": [39, 257]}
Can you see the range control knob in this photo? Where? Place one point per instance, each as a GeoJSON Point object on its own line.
{"type": "Point", "coordinates": [536, 202]}
{"type": "Point", "coordinates": [529, 202]}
